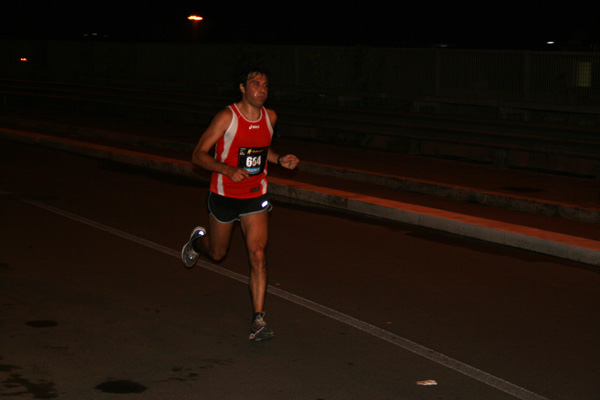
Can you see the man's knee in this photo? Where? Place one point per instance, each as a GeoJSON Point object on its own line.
{"type": "Point", "coordinates": [217, 254]}
{"type": "Point", "coordinates": [257, 255]}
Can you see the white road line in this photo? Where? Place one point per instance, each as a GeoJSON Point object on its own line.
{"type": "Point", "coordinates": [472, 372]}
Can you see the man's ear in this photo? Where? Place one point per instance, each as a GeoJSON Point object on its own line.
{"type": "Point", "coordinates": [242, 88]}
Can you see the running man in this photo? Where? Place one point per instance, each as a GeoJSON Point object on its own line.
{"type": "Point", "coordinates": [241, 137]}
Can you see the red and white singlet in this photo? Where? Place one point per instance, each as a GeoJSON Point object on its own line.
{"type": "Point", "coordinates": [245, 144]}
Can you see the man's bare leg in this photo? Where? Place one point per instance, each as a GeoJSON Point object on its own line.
{"type": "Point", "coordinates": [214, 245]}
{"type": "Point", "coordinates": [256, 231]}
{"type": "Point", "coordinates": [216, 242]}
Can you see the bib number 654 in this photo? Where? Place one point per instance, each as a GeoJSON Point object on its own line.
{"type": "Point", "coordinates": [252, 162]}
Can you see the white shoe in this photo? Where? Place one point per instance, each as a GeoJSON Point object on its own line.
{"type": "Point", "coordinates": [260, 330]}
{"type": "Point", "coordinates": [189, 256]}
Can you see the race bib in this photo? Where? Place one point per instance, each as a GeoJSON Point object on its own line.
{"type": "Point", "coordinates": [253, 159]}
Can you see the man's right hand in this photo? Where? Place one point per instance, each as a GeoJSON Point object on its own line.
{"type": "Point", "coordinates": [237, 174]}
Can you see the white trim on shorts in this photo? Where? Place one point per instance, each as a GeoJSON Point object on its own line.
{"type": "Point", "coordinates": [268, 208]}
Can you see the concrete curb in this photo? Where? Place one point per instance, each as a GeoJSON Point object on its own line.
{"type": "Point", "coordinates": [490, 198]}
{"type": "Point", "coordinates": [550, 243]}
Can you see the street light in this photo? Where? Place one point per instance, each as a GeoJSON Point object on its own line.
{"type": "Point", "coordinates": [195, 19]}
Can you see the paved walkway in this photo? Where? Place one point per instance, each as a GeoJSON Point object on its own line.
{"type": "Point", "coordinates": [550, 214]}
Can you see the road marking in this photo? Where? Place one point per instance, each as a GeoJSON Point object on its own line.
{"type": "Point", "coordinates": [458, 366]}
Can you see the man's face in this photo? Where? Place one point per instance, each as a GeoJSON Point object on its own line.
{"type": "Point", "coordinates": [256, 90]}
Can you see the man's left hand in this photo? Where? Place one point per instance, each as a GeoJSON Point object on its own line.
{"type": "Point", "coordinates": [289, 161]}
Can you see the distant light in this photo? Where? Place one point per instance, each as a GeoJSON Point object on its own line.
{"type": "Point", "coordinates": [195, 18]}
{"type": "Point", "coordinates": [24, 59]}
{"type": "Point", "coordinates": [583, 76]}
{"type": "Point", "coordinates": [549, 42]}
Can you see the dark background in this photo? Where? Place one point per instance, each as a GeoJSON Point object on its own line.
{"type": "Point", "coordinates": [493, 25]}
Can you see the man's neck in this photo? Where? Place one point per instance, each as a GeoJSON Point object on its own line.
{"type": "Point", "coordinates": [250, 112]}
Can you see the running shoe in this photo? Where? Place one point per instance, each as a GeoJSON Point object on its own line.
{"type": "Point", "coordinates": [189, 256]}
{"type": "Point", "coordinates": [260, 330]}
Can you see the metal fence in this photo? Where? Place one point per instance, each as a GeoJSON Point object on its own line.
{"type": "Point", "coordinates": [557, 87]}
{"type": "Point", "coordinates": [534, 86]}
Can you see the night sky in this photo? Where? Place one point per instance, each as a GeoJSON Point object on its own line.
{"type": "Point", "coordinates": [463, 25]}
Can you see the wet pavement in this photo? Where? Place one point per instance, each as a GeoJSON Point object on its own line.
{"type": "Point", "coordinates": [96, 304]}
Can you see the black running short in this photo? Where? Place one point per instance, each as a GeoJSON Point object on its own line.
{"type": "Point", "coordinates": [227, 209]}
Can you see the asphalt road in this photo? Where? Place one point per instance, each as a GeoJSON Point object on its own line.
{"type": "Point", "coordinates": [95, 304]}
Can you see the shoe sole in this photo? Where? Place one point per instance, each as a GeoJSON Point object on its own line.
{"type": "Point", "coordinates": [261, 338]}
{"type": "Point", "coordinates": [183, 258]}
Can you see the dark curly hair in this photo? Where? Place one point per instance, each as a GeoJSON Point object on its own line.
{"type": "Point", "coordinates": [250, 72]}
